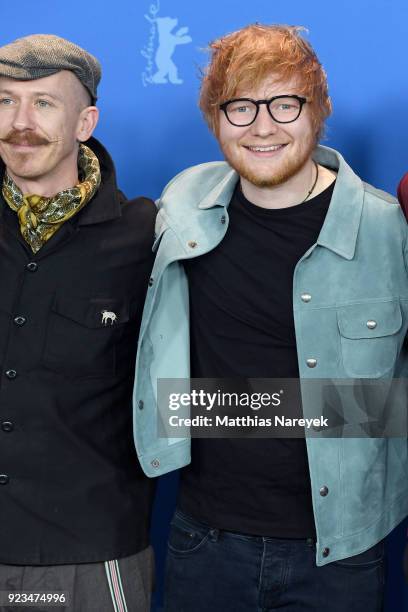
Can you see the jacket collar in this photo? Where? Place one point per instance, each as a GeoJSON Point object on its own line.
{"type": "Point", "coordinates": [106, 204]}
{"type": "Point", "coordinates": [221, 194]}
{"type": "Point", "coordinates": [340, 228]}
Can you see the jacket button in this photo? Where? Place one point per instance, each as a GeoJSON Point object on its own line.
{"type": "Point", "coordinates": [11, 374]}
{"type": "Point", "coordinates": [7, 426]}
{"type": "Point", "coordinates": [371, 324]}
{"type": "Point", "coordinates": [192, 244]}
{"type": "Point", "coordinates": [150, 281]}
{"type": "Point", "coordinates": [141, 404]}
{"type": "Point", "coordinates": [222, 219]}
{"type": "Point", "coordinates": [326, 552]}
{"type": "Point", "coordinates": [306, 297]}
{"type": "Point", "coordinates": [19, 320]}
{"type": "Point", "coordinates": [311, 363]}
{"type": "Point", "coordinates": [32, 266]}
{"type": "Point", "coordinates": [324, 491]}
{"type": "Point", "coordinates": [155, 463]}
{"type": "Point", "coordinates": [4, 479]}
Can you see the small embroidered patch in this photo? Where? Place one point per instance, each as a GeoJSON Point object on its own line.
{"type": "Point", "coordinates": [107, 315]}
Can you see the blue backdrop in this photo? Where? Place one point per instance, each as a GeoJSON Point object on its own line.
{"type": "Point", "coordinates": [152, 126]}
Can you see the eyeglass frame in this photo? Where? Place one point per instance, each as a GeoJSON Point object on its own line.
{"type": "Point", "coordinates": [257, 103]}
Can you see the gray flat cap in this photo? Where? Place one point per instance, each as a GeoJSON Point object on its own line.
{"type": "Point", "coordinates": [41, 55]}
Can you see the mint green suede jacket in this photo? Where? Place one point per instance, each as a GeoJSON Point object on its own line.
{"type": "Point", "coordinates": [356, 272]}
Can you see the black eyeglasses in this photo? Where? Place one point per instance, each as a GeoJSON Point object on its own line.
{"type": "Point", "coordinates": [243, 111]}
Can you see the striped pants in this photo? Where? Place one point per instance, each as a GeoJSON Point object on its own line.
{"type": "Point", "coordinates": [122, 585]}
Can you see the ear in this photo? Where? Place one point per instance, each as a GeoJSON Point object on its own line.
{"type": "Point", "coordinates": [87, 121]}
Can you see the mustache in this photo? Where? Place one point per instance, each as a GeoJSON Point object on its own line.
{"type": "Point", "coordinates": [24, 138]}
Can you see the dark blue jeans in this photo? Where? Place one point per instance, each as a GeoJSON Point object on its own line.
{"type": "Point", "coordinates": [210, 570]}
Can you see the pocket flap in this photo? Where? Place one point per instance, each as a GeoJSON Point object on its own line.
{"type": "Point", "coordinates": [369, 319]}
{"type": "Point", "coordinates": [93, 312]}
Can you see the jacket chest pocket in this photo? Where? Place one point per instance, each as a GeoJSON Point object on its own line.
{"type": "Point", "coordinates": [369, 337]}
{"type": "Point", "coordinates": [82, 336]}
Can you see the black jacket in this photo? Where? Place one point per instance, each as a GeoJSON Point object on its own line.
{"type": "Point", "coordinates": [71, 488]}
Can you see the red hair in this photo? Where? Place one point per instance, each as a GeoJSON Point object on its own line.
{"type": "Point", "coordinates": [242, 60]}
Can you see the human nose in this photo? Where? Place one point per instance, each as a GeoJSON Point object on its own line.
{"type": "Point", "coordinates": [264, 124]}
{"type": "Point", "coordinates": [23, 117]}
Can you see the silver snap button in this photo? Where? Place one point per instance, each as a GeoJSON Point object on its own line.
{"type": "Point", "coordinates": [326, 552]}
{"type": "Point", "coordinates": [192, 244]}
{"type": "Point", "coordinates": [371, 324]}
{"type": "Point", "coordinates": [19, 320]}
{"type": "Point", "coordinates": [155, 463]}
{"type": "Point", "coordinates": [311, 363]}
{"type": "Point", "coordinates": [7, 426]}
{"type": "Point", "coordinates": [306, 297]}
{"type": "Point", "coordinates": [324, 491]}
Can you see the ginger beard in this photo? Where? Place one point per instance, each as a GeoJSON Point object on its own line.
{"type": "Point", "coordinates": [270, 171]}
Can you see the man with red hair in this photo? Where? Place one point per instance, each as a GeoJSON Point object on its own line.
{"type": "Point", "coordinates": [291, 268]}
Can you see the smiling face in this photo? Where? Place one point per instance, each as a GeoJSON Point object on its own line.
{"type": "Point", "coordinates": [267, 153]}
{"type": "Point", "coordinates": [41, 122]}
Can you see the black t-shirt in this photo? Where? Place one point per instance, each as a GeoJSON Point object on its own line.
{"type": "Point", "coordinates": [242, 326]}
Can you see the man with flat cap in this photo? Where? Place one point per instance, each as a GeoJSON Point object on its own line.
{"type": "Point", "coordinates": [75, 258]}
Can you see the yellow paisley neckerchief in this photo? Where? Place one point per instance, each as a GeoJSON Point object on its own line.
{"type": "Point", "coordinates": [40, 217]}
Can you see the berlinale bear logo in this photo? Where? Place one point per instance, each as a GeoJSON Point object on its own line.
{"type": "Point", "coordinates": [167, 44]}
{"type": "Point", "coordinates": [163, 69]}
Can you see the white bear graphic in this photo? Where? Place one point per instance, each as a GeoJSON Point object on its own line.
{"type": "Point", "coordinates": [167, 44]}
